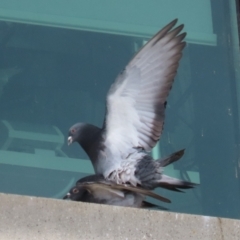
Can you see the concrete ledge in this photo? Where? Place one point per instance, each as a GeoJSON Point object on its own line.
{"type": "Point", "coordinates": [23, 217]}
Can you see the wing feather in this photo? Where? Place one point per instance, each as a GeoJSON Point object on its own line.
{"type": "Point", "coordinates": [117, 189]}
{"type": "Point", "coordinates": [136, 100]}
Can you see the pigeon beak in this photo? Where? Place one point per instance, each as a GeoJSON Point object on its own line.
{"type": "Point", "coordinates": [70, 140]}
{"type": "Point", "coordinates": [67, 196]}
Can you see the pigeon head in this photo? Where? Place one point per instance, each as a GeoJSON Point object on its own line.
{"type": "Point", "coordinates": [87, 136]}
{"type": "Point", "coordinates": [75, 194]}
{"type": "Point", "coordinates": [75, 133]}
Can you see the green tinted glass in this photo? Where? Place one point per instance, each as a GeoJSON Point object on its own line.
{"type": "Point", "coordinates": [57, 62]}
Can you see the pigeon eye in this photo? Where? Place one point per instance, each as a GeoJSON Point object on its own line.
{"type": "Point", "coordinates": [75, 190]}
{"type": "Point", "coordinates": [73, 131]}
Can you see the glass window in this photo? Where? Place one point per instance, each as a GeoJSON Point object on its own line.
{"type": "Point", "coordinates": [57, 64]}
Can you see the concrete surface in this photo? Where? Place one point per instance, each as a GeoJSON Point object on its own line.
{"type": "Point", "coordinates": [23, 217]}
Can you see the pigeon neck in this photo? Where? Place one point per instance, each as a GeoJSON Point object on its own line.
{"type": "Point", "coordinates": [89, 138]}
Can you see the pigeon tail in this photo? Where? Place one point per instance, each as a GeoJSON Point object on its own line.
{"type": "Point", "coordinates": [171, 158]}
{"type": "Point", "coordinates": [150, 173]}
{"type": "Point", "coordinates": [174, 184]}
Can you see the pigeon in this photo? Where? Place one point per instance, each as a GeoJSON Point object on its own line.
{"type": "Point", "coordinates": [95, 189]}
{"type": "Point", "coordinates": [135, 110]}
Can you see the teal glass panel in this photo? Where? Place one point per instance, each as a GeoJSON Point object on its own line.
{"type": "Point", "coordinates": [131, 18]}
{"type": "Point", "coordinates": [57, 62]}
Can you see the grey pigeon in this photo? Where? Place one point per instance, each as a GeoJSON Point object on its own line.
{"type": "Point", "coordinates": [135, 114]}
{"type": "Point", "coordinates": [95, 189]}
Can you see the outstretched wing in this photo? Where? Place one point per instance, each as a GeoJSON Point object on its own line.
{"type": "Point", "coordinates": [136, 101]}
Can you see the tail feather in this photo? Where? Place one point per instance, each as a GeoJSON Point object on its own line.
{"type": "Point", "coordinates": [150, 173]}
{"type": "Point", "coordinates": [174, 184]}
{"type": "Point", "coordinates": [147, 171]}
{"type": "Point", "coordinates": [171, 158]}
